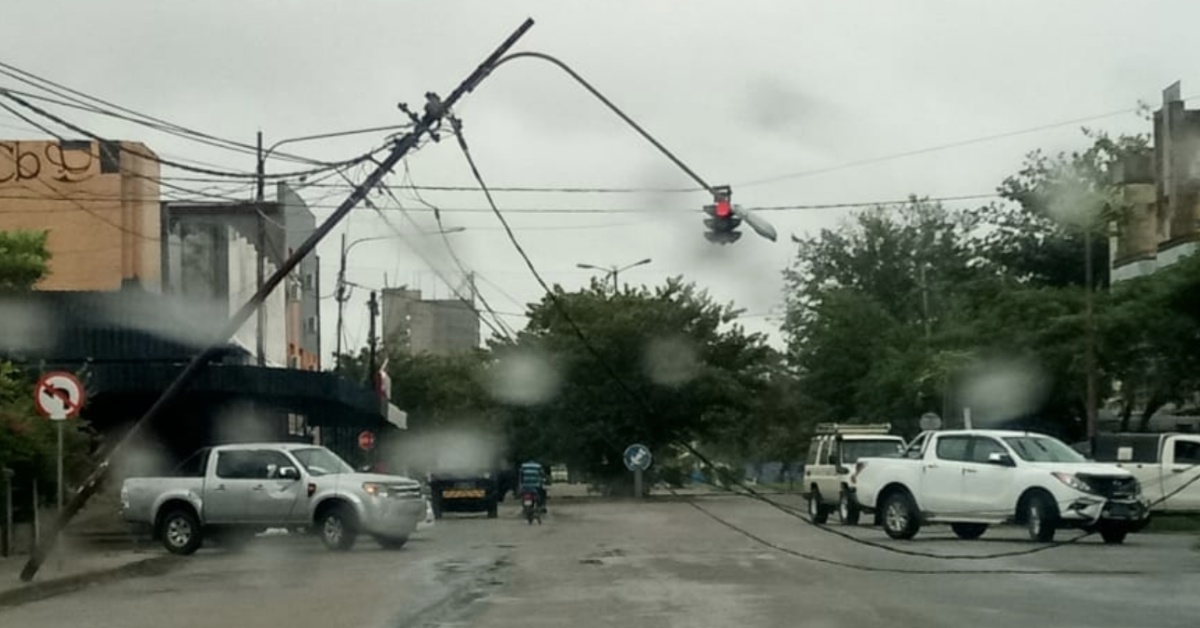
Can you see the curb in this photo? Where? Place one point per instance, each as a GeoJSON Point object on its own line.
{"type": "Point", "coordinates": [42, 589]}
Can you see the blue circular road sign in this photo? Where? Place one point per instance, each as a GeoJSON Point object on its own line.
{"type": "Point", "coordinates": [637, 457]}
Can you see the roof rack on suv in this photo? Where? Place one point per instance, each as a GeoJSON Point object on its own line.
{"type": "Point", "coordinates": [850, 428]}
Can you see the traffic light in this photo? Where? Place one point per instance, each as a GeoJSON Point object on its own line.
{"type": "Point", "coordinates": [723, 224]}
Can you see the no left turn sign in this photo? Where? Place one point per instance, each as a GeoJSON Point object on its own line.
{"type": "Point", "coordinates": [58, 395]}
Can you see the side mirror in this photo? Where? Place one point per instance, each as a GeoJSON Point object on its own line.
{"type": "Point", "coordinates": [1003, 460]}
{"type": "Point", "coordinates": [289, 473]}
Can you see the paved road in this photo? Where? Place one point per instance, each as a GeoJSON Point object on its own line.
{"type": "Point", "coordinates": [667, 564]}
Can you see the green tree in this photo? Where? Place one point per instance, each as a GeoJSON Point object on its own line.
{"type": "Point", "coordinates": [1148, 340]}
{"type": "Point", "coordinates": [23, 259]}
{"type": "Point", "coordinates": [867, 303]}
{"type": "Point", "coordinates": [596, 371]}
{"type": "Point", "coordinates": [437, 391]}
{"type": "Point", "coordinates": [1038, 236]}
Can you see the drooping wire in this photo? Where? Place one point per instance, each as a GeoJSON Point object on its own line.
{"type": "Point", "coordinates": [181, 166]}
{"type": "Point", "coordinates": [416, 250]}
{"type": "Point", "coordinates": [467, 274]}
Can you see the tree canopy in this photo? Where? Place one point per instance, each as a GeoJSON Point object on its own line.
{"type": "Point", "coordinates": [915, 308]}
{"type": "Point", "coordinates": [595, 371]}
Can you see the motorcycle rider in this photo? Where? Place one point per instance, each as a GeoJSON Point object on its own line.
{"type": "Point", "coordinates": [533, 478]}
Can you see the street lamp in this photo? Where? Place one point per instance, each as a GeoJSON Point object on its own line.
{"type": "Point", "coordinates": [260, 171]}
{"type": "Point", "coordinates": [340, 294]}
{"type": "Point", "coordinates": [613, 271]}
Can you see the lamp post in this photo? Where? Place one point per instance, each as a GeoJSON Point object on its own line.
{"type": "Point", "coordinates": [341, 295]}
{"type": "Point", "coordinates": [614, 271]}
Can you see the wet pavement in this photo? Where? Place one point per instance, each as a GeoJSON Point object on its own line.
{"type": "Point", "coordinates": [661, 563]}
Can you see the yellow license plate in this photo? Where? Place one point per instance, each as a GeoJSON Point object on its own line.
{"type": "Point", "coordinates": [474, 493]}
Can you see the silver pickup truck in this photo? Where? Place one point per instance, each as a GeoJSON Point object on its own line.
{"type": "Point", "coordinates": [232, 492]}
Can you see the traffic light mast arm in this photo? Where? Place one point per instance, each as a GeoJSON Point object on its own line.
{"type": "Point", "coordinates": [727, 211]}
{"type": "Point", "coordinates": [608, 103]}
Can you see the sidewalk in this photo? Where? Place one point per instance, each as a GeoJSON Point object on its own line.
{"type": "Point", "coordinates": [75, 564]}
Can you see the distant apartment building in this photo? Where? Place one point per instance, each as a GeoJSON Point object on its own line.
{"type": "Point", "coordinates": [1162, 192]}
{"type": "Point", "coordinates": [98, 201]}
{"type": "Point", "coordinates": [435, 326]}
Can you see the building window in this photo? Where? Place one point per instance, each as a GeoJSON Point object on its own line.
{"type": "Point", "coordinates": [83, 145]}
{"type": "Point", "coordinates": [110, 157]}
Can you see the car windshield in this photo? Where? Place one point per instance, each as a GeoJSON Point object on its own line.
{"type": "Point", "coordinates": [320, 461]}
{"type": "Point", "coordinates": [852, 450]}
{"type": "Point", "coordinates": [676, 254]}
{"type": "Point", "coordinates": [1043, 449]}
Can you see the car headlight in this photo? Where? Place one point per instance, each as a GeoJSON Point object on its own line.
{"type": "Point", "coordinates": [375, 489]}
{"type": "Point", "coordinates": [1073, 481]}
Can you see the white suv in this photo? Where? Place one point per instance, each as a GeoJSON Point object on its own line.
{"type": "Point", "coordinates": [831, 459]}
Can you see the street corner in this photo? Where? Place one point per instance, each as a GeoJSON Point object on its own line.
{"type": "Point", "coordinates": [71, 574]}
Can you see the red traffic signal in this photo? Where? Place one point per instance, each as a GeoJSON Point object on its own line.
{"type": "Point", "coordinates": [723, 224]}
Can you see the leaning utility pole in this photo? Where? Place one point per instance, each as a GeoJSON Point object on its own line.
{"type": "Point", "coordinates": [435, 110]}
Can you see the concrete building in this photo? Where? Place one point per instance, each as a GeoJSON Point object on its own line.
{"type": "Point", "coordinates": [303, 305]}
{"type": "Point", "coordinates": [210, 262]}
{"type": "Point", "coordinates": [1162, 191]}
{"type": "Point", "coordinates": [436, 326]}
{"type": "Point", "coordinates": [99, 203]}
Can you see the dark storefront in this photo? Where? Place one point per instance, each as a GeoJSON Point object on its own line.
{"type": "Point", "coordinates": [128, 346]}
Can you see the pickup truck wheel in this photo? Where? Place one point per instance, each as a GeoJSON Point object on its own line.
{"type": "Point", "coordinates": [1113, 534]}
{"type": "Point", "coordinates": [180, 532]}
{"type": "Point", "coordinates": [817, 510]}
{"type": "Point", "coordinates": [900, 517]}
{"type": "Point", "coordinates": [848, 511]}
{"type": "Point", "coordinates": [493, 510]}
{"type": "Point", "coordinates": [969, 531]}
{"type": "Point", "coordinates": [1041, 517]}
{"type": "Point", "coordinates": [339, 528]}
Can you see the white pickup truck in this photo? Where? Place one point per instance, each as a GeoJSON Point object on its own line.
{"type": "Point", "coordinates": [235, 491]}
{"type": "Point", "coordinates": [1166, 465]}
{"type": "Point", "coordinates": [975, 478]}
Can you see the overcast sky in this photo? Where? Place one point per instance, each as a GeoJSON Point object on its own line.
{"type": "Point", "coordinates": [741, 91]}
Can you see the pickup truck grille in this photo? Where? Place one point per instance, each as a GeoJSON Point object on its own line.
{"type": "Point", "coordinates": [404, 491]}
{"type": "Point", "coordinates": [1112, 487]}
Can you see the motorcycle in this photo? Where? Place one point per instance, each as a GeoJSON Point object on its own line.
{"type": "Point", "coordinates": [530, 507]}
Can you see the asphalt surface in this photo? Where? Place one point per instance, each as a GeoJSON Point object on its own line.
{"type": "Point", "coordinates": [662, 563]}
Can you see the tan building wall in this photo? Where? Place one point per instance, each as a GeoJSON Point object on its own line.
{"type": "Point", "coordinates": [99, 203]}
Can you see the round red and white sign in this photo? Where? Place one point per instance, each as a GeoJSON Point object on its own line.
{"type": "Point", "coordinates": [58, 395]}
{"type": "Point", "coordinates": [366, 440]}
